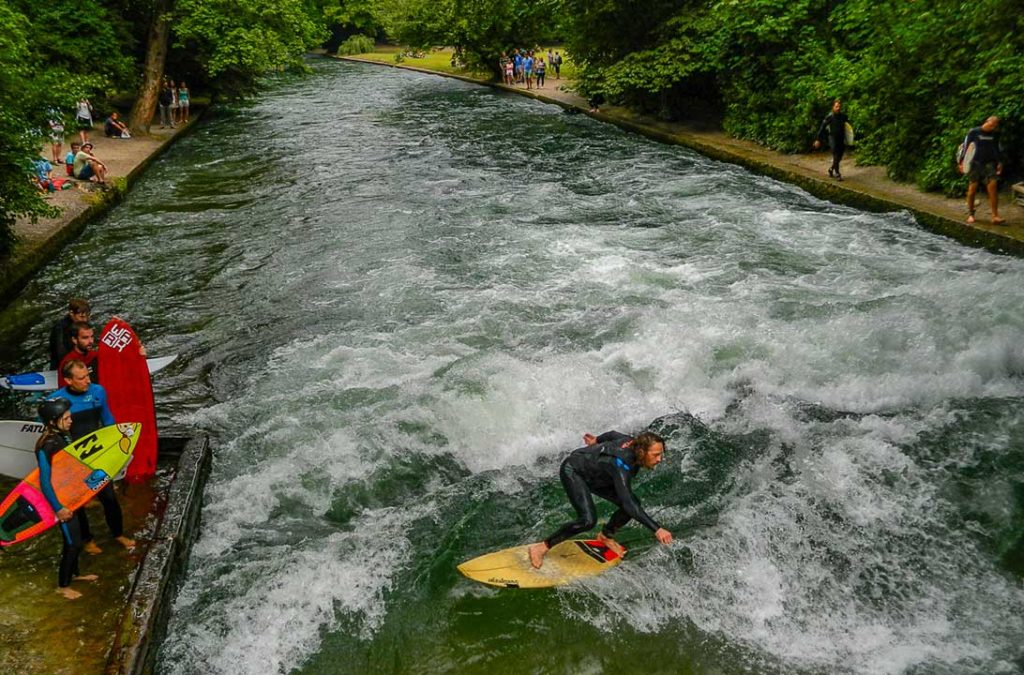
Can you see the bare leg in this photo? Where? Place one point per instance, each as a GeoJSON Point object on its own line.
{"type": "Point", "coordinates": [972, 190]}
{"type": "Point", "coordinates": [537, 552]}
{"type": "Point", "coordinates": [993, 201]}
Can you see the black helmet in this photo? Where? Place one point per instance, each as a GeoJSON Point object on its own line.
{"type": "Point", "coordinates": [50, 410]}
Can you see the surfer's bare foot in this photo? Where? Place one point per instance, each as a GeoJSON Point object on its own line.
{"type": "Point", "coordinates": [998, 221]}
{"type": "Point", "coordinates": [537, 552]}
{"type": "Point", "coordinates": [91, 548]}
{"type": "Point", "coordinates": [69, 593]}
{"type": "Point", "coordinates": [611, 543]}
{"type": "Point", "coordinates": [86, 577]}
{"type": "Point", "coordinates": [970, 219]}
{"type": "Point", "coordinates": [125, 541]}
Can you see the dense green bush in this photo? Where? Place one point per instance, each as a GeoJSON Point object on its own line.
{"type": "Point", "coordinates": [357, 44]}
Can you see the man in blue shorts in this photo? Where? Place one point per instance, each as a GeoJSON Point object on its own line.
{"type": "Point", "coordinates": [88, 166]}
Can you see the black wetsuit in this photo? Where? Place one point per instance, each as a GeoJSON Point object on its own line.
{"type": "Point", "coordinates": [60, 341]}
{"type": "Point", "coordinates": [71, 530]}
{"type": "Point", "coordinates": [833, 128]}
{"type": "Point", "coordinates": [606, 470]}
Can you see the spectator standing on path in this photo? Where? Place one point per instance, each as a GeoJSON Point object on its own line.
{"type": "Point", "coordinates": [833, 127]}
{"type": "Point", "coordinates": [556, 63]}
{"type": "Point", "coordinates": [164, 100]}
{"type": "Point", "coordinates": [183, 102]}
{"type": "Point", "coordinates": [83, 115]}
{"type": "Point", "coordinates": [517, 65]}
{"type": "Point", "coordinates": [986, 167]}
{"type": "Point", "coordinates": [540, 73]}
{"type": "Point", "coordinates": [174, 104]}
{"type": "Point", "coordinates": [528, 70]}
{"type": "Point", "coordinates": [56, 136]}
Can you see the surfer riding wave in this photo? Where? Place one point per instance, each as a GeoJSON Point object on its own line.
{"type": "Point", "coordinates": [606, 467]}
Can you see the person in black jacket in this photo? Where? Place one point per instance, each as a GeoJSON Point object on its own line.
{"type": "Point", "coordinates": [833, 128]}
{"type": "Point", "coordinates": [605, 466]}
{"type": "Point", "coordinates": [60, 334]}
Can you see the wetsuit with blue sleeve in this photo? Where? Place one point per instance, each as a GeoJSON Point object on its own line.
{"type": "Point", "coordinates": [89, 412]}
{"type": "Point", "coordinates": [606, 469]}
{"type": "Point", "coordinates": [50, 445]}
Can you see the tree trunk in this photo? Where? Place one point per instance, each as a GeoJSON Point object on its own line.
{"type": "Point", "coordinates": [141, 115]}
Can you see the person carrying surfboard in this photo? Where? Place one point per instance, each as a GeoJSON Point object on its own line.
{"type": "Point", "coordinates": [606, 467]}
{"type": "Point", "coordinates": [985, 166]}
{"type": "Point", "coordinates": [55, 414]}
{"type": "Point", "coordinates": [89, 412]}
{"type": "Point", "coordinates": [833, 128]}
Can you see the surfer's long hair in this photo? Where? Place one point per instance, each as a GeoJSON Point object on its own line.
{"type": "Point", "coordinates": [644, 442]}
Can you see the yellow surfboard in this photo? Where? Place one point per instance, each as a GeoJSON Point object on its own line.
{"type": "Point", "coordinates": [565, 562]}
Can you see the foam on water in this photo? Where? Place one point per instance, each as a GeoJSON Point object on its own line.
{"type": "Point", "coordinates": [392, 358]}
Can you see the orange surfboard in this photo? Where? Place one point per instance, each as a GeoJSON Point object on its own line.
{"type": "Point", "coordinates": [25, 512]}
{"type": "Point", "coordinates": [125, 376]}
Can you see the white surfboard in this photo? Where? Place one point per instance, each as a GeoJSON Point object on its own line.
{"type": "Point", "coordinates": [849, 133]}
{"type": "Point", "coordinates": [47, 380]}
{"type": "Point", "coordinates": [17, 447]}
{"type": "Point", "coordinates": [968, 157]}
{"type": "Point", "coordinates": [568, 561]}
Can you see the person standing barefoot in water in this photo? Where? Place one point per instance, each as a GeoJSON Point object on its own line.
{"type": "Point", "coordinates": [605, 467]}
{"type": "Point", "coordinates": [55, 414]}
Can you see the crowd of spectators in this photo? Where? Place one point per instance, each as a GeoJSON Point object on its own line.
{"type": "Point", "coordinates": [528, 67]}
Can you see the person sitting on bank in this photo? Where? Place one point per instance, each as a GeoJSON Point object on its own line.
{"type": "Point", "coordinates": [43, 174]}
{"type": "Point", "coordinates": [55, 414]}
{"type": "Point", "coordinates": [606, 467]}
{"type": "Point", "coordinates": [60, 333]}
{"type": "Point", "coordinates": [89, 412]}
{"type": "Point", "coordinates": [115, 128]}
{"type": "Point", "coordinates": [88, 166]}
{"type": "Point", "coordinates": [69, 159]}
{"type": "Point", "coordinates": [986, 167]}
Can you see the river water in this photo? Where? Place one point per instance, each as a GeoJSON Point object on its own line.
{"type": "Point", "coordinates": [400, 300]}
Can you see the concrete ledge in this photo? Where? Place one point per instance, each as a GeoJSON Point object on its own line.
{"type": "Point", "coordinates": [142, 625]}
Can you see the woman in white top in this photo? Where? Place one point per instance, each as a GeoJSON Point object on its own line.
{"type": "Point", "coordinates": [83, 116]}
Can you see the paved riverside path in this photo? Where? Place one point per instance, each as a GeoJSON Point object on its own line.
{"type": "Point", "coordinates": [864, 186]}
{"type": "Point", "coordinates": [39, 241]}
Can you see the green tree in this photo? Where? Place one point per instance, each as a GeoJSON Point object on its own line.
{"type": "Point", "coordinates": [237, 41]}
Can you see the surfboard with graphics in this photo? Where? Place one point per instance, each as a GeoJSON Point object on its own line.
{"type": "Point", "coordinates": [129, 392]}
{"type": "Point", "coordinates": [25, 512]}
{"type": "Point", "coordinates": [17, 447]}
{"type": "Point", "coordinates": [565, 562]}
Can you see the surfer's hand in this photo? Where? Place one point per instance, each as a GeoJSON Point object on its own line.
{"type": "Point", "coordinates": [817, 144]}
{"type": "Point", "coordinates": [663, 536]}
{"type": "Point", "coordinates": [590, 439]}
{"type": "Point", "coordinates": [64, 515]}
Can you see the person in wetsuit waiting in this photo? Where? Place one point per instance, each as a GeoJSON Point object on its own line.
{"type": "Point", "coordinates": [605, 467]}
{"type": "Point", "coordinates": [55, 415]}
{"type": "Point", "coordinates": [89, 412]}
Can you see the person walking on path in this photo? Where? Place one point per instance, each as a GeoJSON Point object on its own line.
{"type": "Point", "coordinates": [56, 137]}
{"type": "Point", "coordinates": [833, 127]}
{"type": "Point", "coordinates": [556, 63]}
{"type": "Point", "coordinates": [605, 466]}
{"type": "Point", "coordinates": [540, 73]}
{"type": "Point", "coordinates": [164, 101]}
{"type": "Point", "coordinates": [183, 102]}
{"type": "Point", "coordinates": [986, 167]}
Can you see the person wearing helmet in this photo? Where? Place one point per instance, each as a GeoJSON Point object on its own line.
{"type": "Point", "coordinates": [55, 415]}
{"type": "Point", "coordinates": [89, 412]}
{"type": "Point", "coordinates": [605, 466]}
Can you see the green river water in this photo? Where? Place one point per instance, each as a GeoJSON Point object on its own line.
{"type": "Point", "coordinates": [399, 301]}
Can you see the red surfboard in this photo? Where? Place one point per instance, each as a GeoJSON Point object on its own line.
{"type": "Point", "coordinates": [125, 376]}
